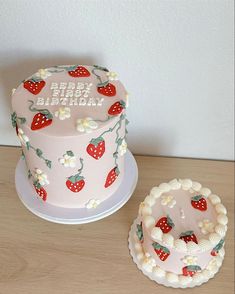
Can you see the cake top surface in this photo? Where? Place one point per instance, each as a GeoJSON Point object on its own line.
{"type": "Point", "coordinates": [69, 100]}
{"type": "Point", "coordinates": [184, 215]}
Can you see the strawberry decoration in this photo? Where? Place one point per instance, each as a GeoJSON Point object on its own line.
{"type": "Point", "coordinates": [199, 202]}
{"type": "Point", "coordinates": [78, 71]}
{"type": "Point", "coordinates": [191, 270]}
{"type": "Point", "coordinates": [42, 119]}
{"type": "Point", "coordinates": [34, 85]}
{"type": "Point", "coordinates": [117, 108]}
{"type": "Point", "coordinates": [104, 88]}
{"type": "Point", "coordinates": [111, 177]}
{"type": "Point", "coordinates": [216, 249]}
{"type": "Point", "coordinates": [162, 252]}
{"type": "Point", "coordinates": [40, 190]}
{"type": "Point", "coordinates": [139, 232]}
{"type": "Point", "coordinates": [96, 148]}
{"type": "Point", "coordinates": [76, 182]}
{"type": "Point", "coordinates": [188, 236]}
{"type": "Point", "coordinates": [165, 224]}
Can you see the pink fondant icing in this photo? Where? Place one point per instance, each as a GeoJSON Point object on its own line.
{"type": "Point", "coordinates": [61, 136]}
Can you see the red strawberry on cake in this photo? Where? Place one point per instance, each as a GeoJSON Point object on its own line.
{"type": "Point", "coordinates": [199, 202]}
{"type": "Point", "coordinates": [96, 148]}
{"type": "Point", "coordinates": [165, 223]}
{"type": "Point", "coordinates": [107, 89]}
{"type": "Point", "coordinates": [76, 182]}
{"type": "Point", "coordinates": [42, 119]}
{"type": "Point", "coordinates": [34, 85]}
{"type": "Point", "coordinates": [191, 270]}
{"type": "Point", "coordinates": [117, 108]}
{"type": "Point", "coordinates": [40, 191]}
{"type": "Point", "coordinates": [162, 252]}
{"type": "Point", "coordinates": [111, 177]}
{"type": "Point", "coordinates": [216, 249]}
{"type": "Point", "coordinates": [188, 236]}
{"type": "Point", "coordinates": [78, 71]}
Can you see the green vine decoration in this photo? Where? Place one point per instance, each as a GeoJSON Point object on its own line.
{"type": "Point", "coordinates": [101, 83]}
{"type": "Point", "coordinates": [21, 120]}
{"type": "Point", "coordinates": [16, 119]}
{"type": "Point", "coordinates": [118, 139]}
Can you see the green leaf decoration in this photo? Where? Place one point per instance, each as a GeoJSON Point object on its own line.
{"type": "Point", "coordinates": [39, 152]}
{"type": "Point", "coordinates": [101, 68]}
{"type": "Point", "coordinates": [96, 141]}
{"type": "Point", "coordinates": [139, 232]}
{"type": "Point", "coordinates": [48, 163]}
{"type": "Point", "coordinates": [170, 221]}
{"type": "Point", "coordinates": [104, 84]}
{"type": "Point", "coordinates": [197, 197]}
{"type": "Point", "coordinates": [13, 119]}
{"type": "Point", "coordinates": [123, 104]}
{"type": "Point", "coordinates": [70, 153]}
{"type": "Point", "coordinates": [29, 174]}
{"type": "Point", "coordinates": [157, 246]}
{"type": "Point", "coordinates": [219, 245]}
{"type": "Point", "coordinates": [187, 233]}
{"type": "Point", "coordinates": [27, 145]}
{"type": "Point", "coordinates": [75, 178]}
{"type": "Point", "coordinates": [37, 184]}
{"type": "Point", "coordinates": [193, 268]}
{"type": "Point", "coordinates": [119, 141]}
{"type": "Point", "coordinates": [117, 171]}
{"type": "Point", "coordinates": [127, 121]}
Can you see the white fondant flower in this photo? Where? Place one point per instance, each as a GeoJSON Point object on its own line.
{"type": "Point", "coordinates": [43, 73]}
{"type": "Point", "coordinates": [13, 91]}
{"type": "Point", "coordinates": [93, 203]}
{"type": "Point", "coordinates": [112, 76]}
{"type": "Point", "coordinates": [122, 148]}
{"type": "Point", "coordinates": [41, 177]}
{"type": "Point", "coordinates": [168, 200]}
{"type": "Point", "coordinates": [23, 138]}
{"type": "Point", "coordinates": [68, 159]}
{"type": "Point", "coordinates": [86, 125]}
{"type": "Point", "coordinates": [206, 226]}
{"type": "Point", "coordinates": [63, 112]}
{"type": "Point", "coordinates": [189, 260]}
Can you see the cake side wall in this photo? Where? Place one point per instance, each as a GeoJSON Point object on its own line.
{"type": "Point", "coordinates": [94, 172]}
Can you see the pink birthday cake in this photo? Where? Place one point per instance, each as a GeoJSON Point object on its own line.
{"type": "Point", "coordinates": [178, 237]}
{"type": "Point", "coordinates": [71, 123]}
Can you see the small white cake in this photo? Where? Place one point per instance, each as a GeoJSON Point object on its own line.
{"type": "Point", "coordinates": [178, 237]}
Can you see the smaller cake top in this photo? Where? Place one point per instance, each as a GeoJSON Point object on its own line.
{"type": "Point", "coordinates": [69, 100]}
{"type": "Point", "coordinates": [184, 215]}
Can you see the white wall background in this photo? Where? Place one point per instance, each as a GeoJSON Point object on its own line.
{"type": "Point", "coordinates": [175, 58]}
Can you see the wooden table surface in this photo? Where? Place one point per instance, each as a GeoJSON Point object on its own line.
{"type": "Point", "coordinates": [38, 257]}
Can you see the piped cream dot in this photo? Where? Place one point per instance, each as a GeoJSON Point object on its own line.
{"type": "Point", "coordinates": [156, 192]}
{"type": "Point", "coordinates": [220, 208]}
{"type": "Point", "coordinates": [222, 219]}
{"type": "Point", "coordinates": [205, 192]}
{"type": "Point", "coordinates": [149, 200]}
{"type": "Point", "coordinates": [215, 199]}
{"type": "Point", "coordinates": [196, 186]}
{"type": "Point", "coordinates": [148, 221]}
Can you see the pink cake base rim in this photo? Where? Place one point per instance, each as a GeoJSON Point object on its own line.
{"type": "Point", "coordinates": [137, 254]}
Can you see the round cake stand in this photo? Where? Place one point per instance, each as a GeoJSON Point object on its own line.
{"type": "Point", "coordinates": [76, 215]}
{"type": "Point", "coordinates": [132, 240]}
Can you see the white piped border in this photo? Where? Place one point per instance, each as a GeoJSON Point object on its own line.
{"type": "Point", "coordinates": [145, 263]}
{"type": "Point", "coordinates": [145, 210]}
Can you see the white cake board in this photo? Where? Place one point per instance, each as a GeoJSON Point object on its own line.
{"type": "Point", "coordinates": [131, 243]}
{"type": "Point", "coordinates": [76, 215]}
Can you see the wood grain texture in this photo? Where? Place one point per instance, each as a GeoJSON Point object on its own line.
{"type": "Point", "coordinates": [37, 256]}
